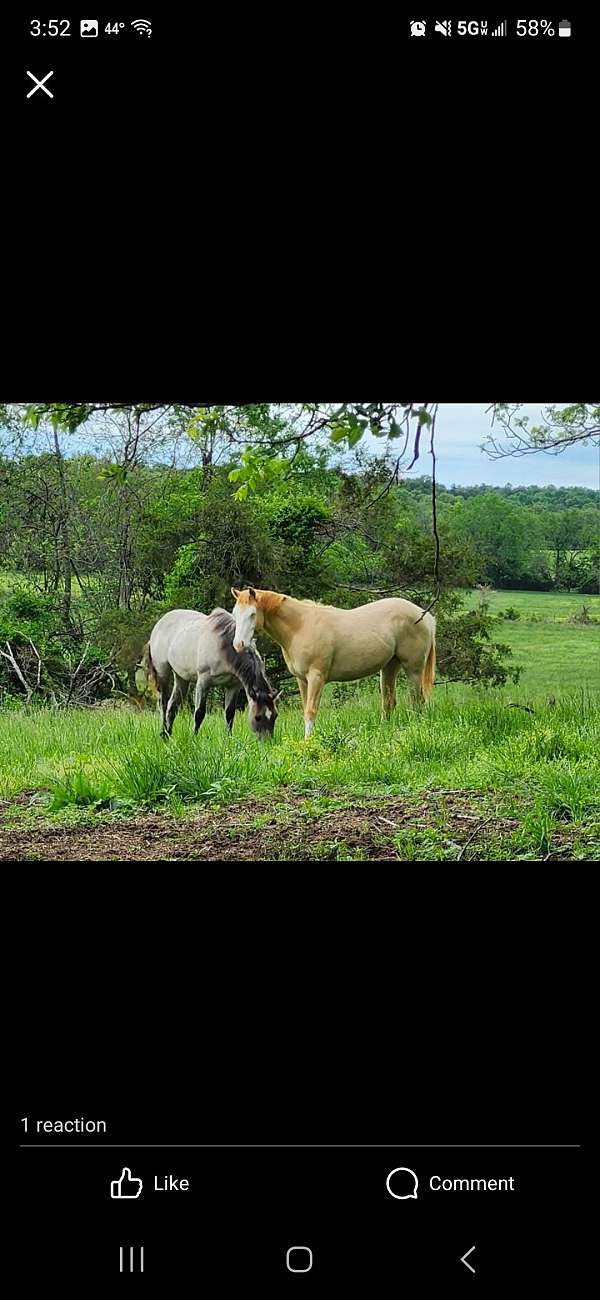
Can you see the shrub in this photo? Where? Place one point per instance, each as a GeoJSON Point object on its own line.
{"type": "Point", "coordinates": [466, 651]}
{"type": "Point", "coordinates": [583, 617]}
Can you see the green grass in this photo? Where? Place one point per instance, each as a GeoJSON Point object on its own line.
{"type": "Point", "coordinates": [553, 652]}
{"type": "Point", "coordinates": [11, 580]}
{"type": "Point", "coordinates": [553, 656]}
{"type": "Point", "coordinates": [550, 606]}
{"type": "Point", "coordinates": [540, 768]}
{"type": "Point", "coordinates": [476, 743]}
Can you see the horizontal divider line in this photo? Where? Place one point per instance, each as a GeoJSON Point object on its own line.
{"type": "Point", "coordinates": [304, 1146]}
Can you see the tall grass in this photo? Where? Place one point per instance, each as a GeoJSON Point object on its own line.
{"type": "Point", "coordinates": [86, 757]}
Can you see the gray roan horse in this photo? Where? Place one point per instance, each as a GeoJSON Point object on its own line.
{"type": "Point", "coordinates": [186, 646]}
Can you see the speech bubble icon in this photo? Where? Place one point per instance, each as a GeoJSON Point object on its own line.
{"type": "Point", "coordinates": [402, 1178]}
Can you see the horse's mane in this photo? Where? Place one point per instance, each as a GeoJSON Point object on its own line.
{"type": "Point", "coordinates": [271, 600]}
{"type": "Point", "coordinates": [248, 666]}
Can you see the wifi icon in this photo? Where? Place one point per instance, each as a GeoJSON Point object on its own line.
{"type": "Point", "coordinates": [142, 26]}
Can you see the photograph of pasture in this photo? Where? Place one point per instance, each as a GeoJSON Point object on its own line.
{"type": "Point", "coordinates": [344, 632]}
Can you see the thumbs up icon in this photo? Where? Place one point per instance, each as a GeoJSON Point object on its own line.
{"type": "Point", "coordinates": [126, 1188]}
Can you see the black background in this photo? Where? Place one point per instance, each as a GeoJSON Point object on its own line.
{"type": "Point", "coordinates": [259, 196]}
{"type": "Point", "coordinates": [351, 1012]}
{"type": "Point", "coordinates": [226, 1256]}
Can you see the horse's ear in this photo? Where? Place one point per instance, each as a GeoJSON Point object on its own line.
{"type": "Point", "coordinates": [235, 593]}
{"type": "Point", "coordinates": [251, 593]}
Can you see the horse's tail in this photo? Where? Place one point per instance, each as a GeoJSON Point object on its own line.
{"type": "Point", "coordinates": [428, 674]}
{"type": "Point", "coordinates": [149, 669]}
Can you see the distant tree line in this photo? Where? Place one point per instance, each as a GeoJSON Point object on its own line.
{"type": "Point", "coordinates": [529, 538]}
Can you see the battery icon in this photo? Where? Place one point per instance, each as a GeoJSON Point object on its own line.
{"type": "Point", "coordinates": [564, 27]}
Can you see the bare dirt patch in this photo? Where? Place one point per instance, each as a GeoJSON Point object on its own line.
{"type": "Point", "coordinates": [452, 825]}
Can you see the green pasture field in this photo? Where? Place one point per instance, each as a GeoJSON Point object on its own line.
{"type": "Point", "coordinates": [510, 773]}
{"type": "Point", "coordinates": [554, 653]}
{"type": "Point", "coordinates": [550, 606]}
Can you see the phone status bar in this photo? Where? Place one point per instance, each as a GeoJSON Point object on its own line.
{"type": "Point", "coordinates": [487, 28]}
{"type": "Point", "coordinates": [88, 29]}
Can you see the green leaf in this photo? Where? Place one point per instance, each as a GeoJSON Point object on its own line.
{"type": "Point", "coordinates": [114, 473]}
{"type": "Point", "coordinates": [33, 415]}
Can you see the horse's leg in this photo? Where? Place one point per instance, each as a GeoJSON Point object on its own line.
{"type": "Point", "coordinates": [388, 686]}
{"type": "Point", "coordinates": [165, 691]}
{"type": "Point", "coordinates": [232, 700]}
{"type": "Point", "coordinates": [201, 699]}
{"type": "Point", "coordinates": [178, 694]}
{"type": "Point", "coordinates": [314, 687]}
{"type": "Point", "coordinates": [303, 690]}
{"type": "Point", "coordinates": [413, 677]}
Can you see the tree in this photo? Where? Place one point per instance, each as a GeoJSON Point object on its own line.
{"type": "Point", "coordinates": [573, 537]}
{"type": "Point", "coordinates": [274, 433]}
{"type": "Point", "coordinates": [498, 532]}
{"type": "Point", "coordinates": [44, 501]}
{"type": "Point", "coordinates": [563, 427]}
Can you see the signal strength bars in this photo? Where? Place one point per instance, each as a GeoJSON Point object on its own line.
{"type": "Point", "coordinates": [501, 30]}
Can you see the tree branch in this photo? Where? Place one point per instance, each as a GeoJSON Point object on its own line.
{"type": "Point", "coordinates": [15, 666]}
{"type": "Point", "coordinates": [436, 578]}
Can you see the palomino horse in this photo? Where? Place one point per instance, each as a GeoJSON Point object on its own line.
{"type": "Point", "coordinates": [186, 646]}
{"type": "Point", "coordinates": [321, 643]}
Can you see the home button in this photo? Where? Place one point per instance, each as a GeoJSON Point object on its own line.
{"type": "Point", "coordinates": [299, 1259]}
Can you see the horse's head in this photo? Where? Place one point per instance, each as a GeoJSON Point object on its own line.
{"type": "Point", "coordinates": [262, 713]}
{"type": "Point", "coordinates": [249, 617]}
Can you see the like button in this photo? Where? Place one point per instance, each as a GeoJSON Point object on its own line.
{"type": "Point", "coordinates": [126, 1188]}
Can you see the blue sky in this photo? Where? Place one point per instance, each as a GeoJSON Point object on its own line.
{"type": "Point", "coordinates": [462, 427]}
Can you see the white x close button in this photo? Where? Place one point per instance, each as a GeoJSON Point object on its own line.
{"type": "Point", "coordinates": [39, 85]}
